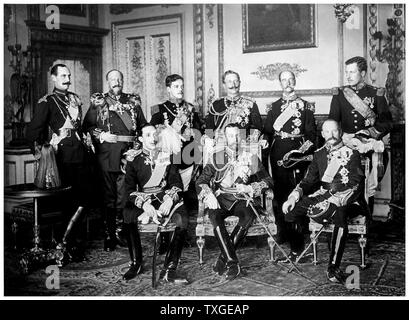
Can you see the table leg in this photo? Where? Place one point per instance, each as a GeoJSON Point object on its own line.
{"type": "Point", "coordinates": [36, 228]}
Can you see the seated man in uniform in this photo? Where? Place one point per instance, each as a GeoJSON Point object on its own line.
{"type": "Point", "coordinates": [235, 173]}
{"type": "Point", "coordinates": [153, 186]}
{"type": "Point", "coordinates": [337, 169]}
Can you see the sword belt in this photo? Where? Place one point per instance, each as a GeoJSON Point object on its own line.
{"type": "Point", "coordinates": [152, 190]}
{"type": "Point", "coordinates": [126, 138]}
{"type": "Point", "coordinates": [286, 135]}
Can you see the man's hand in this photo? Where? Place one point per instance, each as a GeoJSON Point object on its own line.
{"type": "Point", "coordinates": [242, 188]}
{"type": "Point", "coordinates": [212, 202]}
{"type": "Point", "coordinates": [165, 207]}
{"type": "Point", "coordinates": [109, 137]}
{"type": "Point", "coordinates": [289, 205]}
{"type": "Point", "coordinates": [263, 143]}
{"type": "Point", "coordinates": [149, 209]}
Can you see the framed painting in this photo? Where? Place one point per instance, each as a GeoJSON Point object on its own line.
{"type": "Point", "coordinates": [79, 10]}
{"type": "Point", "coordinates": [268, 27]}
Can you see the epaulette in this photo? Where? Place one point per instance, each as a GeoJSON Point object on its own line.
{"type": "Point", "coordinates": [335, 91]}
{"type": "Point", "coordinates": [319, 149]}
{"type": "Point", "coordinates": [134, 98]}
{"type": "Point", "coordinates": [380, 92]}
{"type": "Point", "coordinates": [154, 109]}
{"type": "Point", "coordinates": [97, 99]}
{"type": "Point", "coordinates": [131, 154]}
{"type": "Point", "coordinates": [43, 99]}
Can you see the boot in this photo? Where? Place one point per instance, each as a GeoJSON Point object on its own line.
{"type": "Point", "coordinates": [339, 237]}
{"type": "Point", "coordinates": [172, 258]}
{"type": "Point", "coordinates": [119, 232]}
{"type": "Point", "coordinates": [282, 226]}
{"type": "Point", "coordinates": [164, 242]}
{"type": "Point", "coordinates": [296, 238]}
{"type": "Point", "coordinates": [110, 237]}
{"type": "Point", "coordinates": [228, 252]}
{"type": "Point", "coordinates": [135, 251]}
{"type": "Point", "coordinates": [237, 237]}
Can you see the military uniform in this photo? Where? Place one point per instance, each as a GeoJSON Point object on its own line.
{"type": "Point", "coordinates": [120, 115]}
{"type": "Point", "coordinates": [63, 109]}
{"type": "Point", "coordinates": [151, 177]}
{"type": "Point", "coordinates": [352, 120]}
{"type": "Point", "coordinates": [227, 169]}
{"type": "Point", "coordinates": [365, 118]}
{"type": "Point", "coordinates": [241, 110]}
{"type": "Point", "coordinates": [338, 173]}
{"type": "Point", "coordinates": [289, 124]}
{"type": "Point", "coordinates": [188, 119]}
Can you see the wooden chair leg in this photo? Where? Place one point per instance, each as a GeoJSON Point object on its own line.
{"type": "Point", "coordinates": [362, 243]}
{"type": "Point", "coordinates": [314, 246]}
{"type": "Point", "coordinates": [200, 244]}
{"type": "Point", "coordinates": [272, 247]}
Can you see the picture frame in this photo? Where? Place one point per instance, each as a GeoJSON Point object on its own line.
{"type": "Point", "coordinates": [77, 10]}
{"type": "Point", "coordinates": [268, 27]}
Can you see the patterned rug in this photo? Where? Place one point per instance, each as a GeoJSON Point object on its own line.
{"type": "Point", "coordinates": [101, 273]}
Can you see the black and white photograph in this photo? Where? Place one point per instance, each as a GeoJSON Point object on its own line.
{"type": "Point", "coordinates": [204, 150]}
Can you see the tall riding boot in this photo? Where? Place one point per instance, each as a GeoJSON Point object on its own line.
{"type": "Point", "coordinates": [296, 238]}
{"type": "Point", "coordinates": [237, 236]}
{"type": "Point", "coordinates": [164, 242]}
{"type": "Point", "coordinates": [172, 258]}
{"type": "Point", "coordinates": [119, 232]}
{"type": "Point", "coordinates": [339, 237]}
{"type": "Point", "coordinates": [110, 221]}
{"type": "Point", "coordinates": [228, 252]}
{"type": "Point", "coordinates": [282, 226]}
{"type": "Point", "coordinates": [135, 251]}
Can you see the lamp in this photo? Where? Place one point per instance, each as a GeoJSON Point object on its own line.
{"type": "Point", "coordinates": [21, 62]}
{"type": "Point", "coordinates": [393, 45]}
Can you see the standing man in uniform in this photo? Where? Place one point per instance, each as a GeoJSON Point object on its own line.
{"type": "Point", "coordinates": [290, 125]}
{"type": "Point", "coordinates": [233, 108]}
{"type": "Point", "coordinates": [183, 124]}
{"type": "Point", "coordinates": [62, 112]}
{"type": "Point", "coordinates": [364, 115]}
{"type": "Point", "coordinates": [113, 120]}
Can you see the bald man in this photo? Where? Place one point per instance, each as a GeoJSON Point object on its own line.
{"type": "Point", "coordinates": [113, 120]}
{"type": "Point", "coordinates": [337, 170]}
{"type": "Point", "coordinates": [290, 124]}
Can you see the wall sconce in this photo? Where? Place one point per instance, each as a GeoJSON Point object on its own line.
{"type": "Point", "coordinates": [393, 44]}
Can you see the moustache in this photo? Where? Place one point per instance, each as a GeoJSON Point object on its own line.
{"type": "Point", "coordinates": [68, 82]}
{"type": "Point", "coordinates": [234, 87]}
{"type": "Point", "coordinates": [117, 86]}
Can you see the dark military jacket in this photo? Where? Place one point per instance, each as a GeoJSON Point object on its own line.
{"type": "Point", "coordinates": [346, 178]}
{"type": "Point", "coordinates": [139, 171]}
{"type": "Point", "coordinates": [351, 120]}
{"type": "Point", "coordinates": [121, 115]}
{"type": "Point", "coordinates": [52, 112]}
{"type": "Point", "coordinates": [226, 170]}
{"type": "Point", "coordinates": [241, 110]}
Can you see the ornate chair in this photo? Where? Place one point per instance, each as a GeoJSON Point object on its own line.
{"type": "Point", "coordinates": [356, 225]}
{"type": "Point", "coordinates": [204, 226]}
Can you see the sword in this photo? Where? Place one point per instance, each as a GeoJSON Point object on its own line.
{"type": "Point", "coordinates": [164, 222]}
{"type": "Point", "coordinates": [250, 203]}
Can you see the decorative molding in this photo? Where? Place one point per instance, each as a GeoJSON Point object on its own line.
{"type": "Point", "coordinates": [372, 28]}
{"type": "Point", "coordinates": [127, 8]}
{"type": "Point", "coordinates": [220, 40]}
{"type": "Point", "coordinates": [161, 67]}
{"type": "Point", "coordinates": [199, 53]}
{"type": "Point", "coordinates": [67, 33]}
{"type": "Point", "coordinates": [8, 13]}
{"type": "Point", "coordinates": [340, 38]}
{"type": "Point", "coordinates": [93, 15]}
{"type": "Point", "coordinates": [211, 96]}
{"type": "Point", "coordinates": [33, 12]}
{"type": "Point", "coordinates": [278, 93]}
{"type": "Point", "coordinates": [343, 11]}
{"type": "Point", "coordinates": [210, 14]}
{"type": "Point", "coordinates": [273, 70]}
